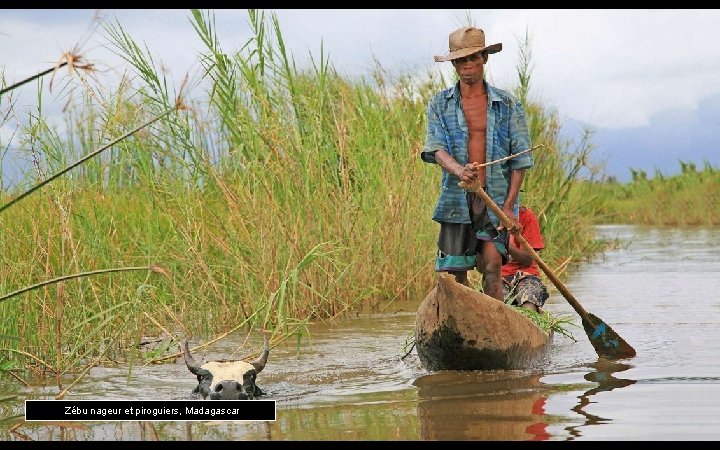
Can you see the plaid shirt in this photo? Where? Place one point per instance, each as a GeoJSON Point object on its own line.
{"type": "Point", "coordinates": [507, 133]}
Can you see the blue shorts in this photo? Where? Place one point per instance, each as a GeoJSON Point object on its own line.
{"type": "Point", "coordinates": [458, 242]}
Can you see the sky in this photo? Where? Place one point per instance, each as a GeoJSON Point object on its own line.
{"type": "Point", "coordinates": [646, 82]}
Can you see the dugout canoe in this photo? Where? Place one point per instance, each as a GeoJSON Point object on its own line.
{"type": "Point", "coordinates": [459, 328]}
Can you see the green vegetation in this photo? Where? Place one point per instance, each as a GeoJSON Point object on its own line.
{"type": "Point", "coordinates": [547, 322]}
{"type": "Point", "coordinates": [691, 197]}
{"type": "Point", "coordinates": [271, 197]}
{"type": "Point", "coordinates": [7, 416]}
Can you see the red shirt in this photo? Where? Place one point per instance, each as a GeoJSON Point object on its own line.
{"type": "Point", "coordinates": [531, 233]}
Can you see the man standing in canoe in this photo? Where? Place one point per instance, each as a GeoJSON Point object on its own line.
{"type": "Point", "coordinates": [474, 123]}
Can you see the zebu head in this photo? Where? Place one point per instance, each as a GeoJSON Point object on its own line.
{"type": "Point", "coordinates": [227, 380]}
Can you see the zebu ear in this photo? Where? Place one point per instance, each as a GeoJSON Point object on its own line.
{"type": "Point", "coordinates": [193, 366]}
{"type": "Point", "coordinates": [259, 363]}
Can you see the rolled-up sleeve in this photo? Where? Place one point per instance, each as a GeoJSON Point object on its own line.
{"type": "Point", "coordinates": [519, 137]}
{"type": "Point", "coordinates": [436, 136]}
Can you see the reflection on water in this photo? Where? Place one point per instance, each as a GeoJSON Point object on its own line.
{"type": "Point", "coordinates": [658, 291]}
{"type": "Point", "coordinates": [494, 405]}
{"type": "Point", "coordinates": [603, 376]}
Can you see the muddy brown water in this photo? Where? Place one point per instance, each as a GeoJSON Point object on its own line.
{"type": "Point", "coordinates": [659, 291]}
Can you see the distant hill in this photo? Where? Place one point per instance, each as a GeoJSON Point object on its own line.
{"type": "Point", "coordinates": [673, 136]}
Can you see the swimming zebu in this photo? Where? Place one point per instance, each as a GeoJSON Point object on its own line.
{"type": "Point", "coordinates": [227, 379]}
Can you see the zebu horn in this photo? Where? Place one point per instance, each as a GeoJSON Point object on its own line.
{"type": "Point", "coordinates": [189, 361]}
{"type": "Point", "coordinates": [259, 363]}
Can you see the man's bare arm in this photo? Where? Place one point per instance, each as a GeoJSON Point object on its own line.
{"type": "Point", "coordinates": [519, 254]}
{"type": "Point", "coordinates": [516, 179]}
{"type": "Point", "coordinates": [466, 173]}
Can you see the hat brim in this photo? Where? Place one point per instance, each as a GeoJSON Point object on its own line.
{"type": "Point", "coordinates": [468, 51]}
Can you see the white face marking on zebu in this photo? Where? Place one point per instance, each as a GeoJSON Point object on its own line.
{"type": "Point", "coordinates": [227, 370]}
{"type": "Point", "coordinates": [227, 379]}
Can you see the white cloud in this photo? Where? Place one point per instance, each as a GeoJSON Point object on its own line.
{"type": "Point", "coordinates": [617, 68]}
{"type": "Point", "coordinates": [611, 68]}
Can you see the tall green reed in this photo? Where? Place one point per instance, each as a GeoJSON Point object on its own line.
{"type": "Point", "coordinates": [554, 187]}
{"type": "Point", "coordinates": [282, 195]}
{"type": "Point", "coordinates": [690, 197]}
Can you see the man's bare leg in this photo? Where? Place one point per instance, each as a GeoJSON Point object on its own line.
{"type": "Point", "coordinates": [490, 263]}
{"type": "Point", "coordinates": [460, 276]}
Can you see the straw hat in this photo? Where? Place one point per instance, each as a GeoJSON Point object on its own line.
{"type": "Point", "coordinates": [466, 41]}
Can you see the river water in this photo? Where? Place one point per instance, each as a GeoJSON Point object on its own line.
{"type": "Point", "coordinates": [658, 290]}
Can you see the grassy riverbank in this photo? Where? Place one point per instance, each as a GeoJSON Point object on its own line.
{"type": "Point", "coordinates": [691, 197]}
{"type": "Point", "coordinates": [274, 196]}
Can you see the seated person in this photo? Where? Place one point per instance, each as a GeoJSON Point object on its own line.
{"type": "Point", "coordinates": [521, 275]}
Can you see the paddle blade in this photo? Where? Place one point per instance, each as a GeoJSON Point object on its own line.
{"type": "Point", "coordinates": [605, 340]}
